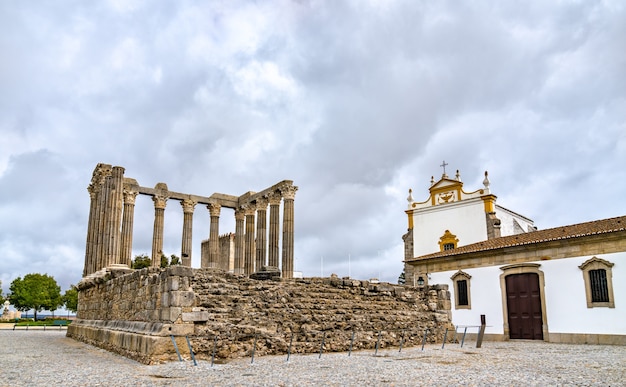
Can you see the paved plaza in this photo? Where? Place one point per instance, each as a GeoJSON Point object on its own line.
{"type": "Point", "coordinates": [38, 358]}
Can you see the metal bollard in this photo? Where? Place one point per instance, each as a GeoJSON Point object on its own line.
{"type": "Point", "coordinates": [253, 348]}
{"type": "Point", "coordinates": [351, 342]}
{"type": "Point", "coordinates": [377, 343]}
{"type": "Point", "coordinates": [193, 357]}
{"type": "Point", "coordinates": [401, 341]}
{"type": "Point", "coordinates": [424, 339]}
{"type": "Point", "coordinates": [214, 348]}
{"type": "Point", "coordinates": [463, 339]}
{"type": "Point", "coordinates": [176, 348]}
{"type": "Point", "coordinates": [289, 350]}
{"type": "Point", "coordinates": [445, 335]}
{"type": "Point", "coordinates": [322, 346]}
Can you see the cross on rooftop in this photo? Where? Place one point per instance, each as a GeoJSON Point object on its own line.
{"type": "Point", "coordinates": [444, 166]}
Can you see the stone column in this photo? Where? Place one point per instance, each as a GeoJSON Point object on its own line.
{"type": "Point", "coordinates": [289, 194]}
{"type": "Point", "coordinates": [261, 232]}
{"type": "Point", "coordinates": [101, 233]}
{"type": "Point", "coordinates": [214, 236]}
{"type": "Point", "coordinates": [127, 227]}
{"type": "Point", "coordinates": [91, 229]}
{"type": "Point", "coordinates": [185, 251]}
{"type": "Point", "coordinates": [239, 241]}
{"type": "Point", "coordinates": [274, 199]}
{"type": "Point", "coordinates": [157, 233]}
{"type": "Point", "coordinates": [113, 217]}
{"type": "Point", "coordinates": [249, 244]}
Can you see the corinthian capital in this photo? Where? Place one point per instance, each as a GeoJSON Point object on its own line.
{"type": "Point", "coordinates": [159, 202]}
{"type": "Point", "coordinates": [249, 209]}
{"type": "Point", "coordinates": [288, 191]}
{"type": "Point", "coordinates": [214, 208]}
{"type": "Point", "coordinates": [240, 214]}
{"type": "Point", "coordinates": [261, 203]}
{"type": "Point", "coordinates": [188, 205]}
{"type": "Point", "coordinates": [275, 198]}
{"type": "Point", "coordinates": [129, 196]}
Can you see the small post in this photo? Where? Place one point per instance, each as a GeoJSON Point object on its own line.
{"type": "Point", "coordinates": [351, 342]}
{"type": "Point", "coordinates": [289, 350]}
{"type": "Point", "coordinates": [253, 348]}
{"type": "Point", "coordinates": [377, 343]}
{"type": "Point", "coordinates": [214, 348]}
{"type": "Point", "coordinates": [322, 346]}
{"type": "Point", "coordinates": [424, 339]}
{"type": "Point", "coordinates": [176, 348]}
{"type": "Point", "coordinates": [401, 341]}
{"type": "Point", "coordinates": [463, 339]}
{"type": "Point", "coordinates": [193, 357]}
{"type": "Point", "coordinates": [481, 331]}
{"type": "Point", "coordinates": [445, 335]}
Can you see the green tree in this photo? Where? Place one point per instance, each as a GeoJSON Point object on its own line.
{"type": "Point", "coordinates": [70, 299]}
{"type": "Point", "coordinates": [36, 291]}
{"type": "Point", "coordinates": [401, 279]}
{"type": "Point", "coordinates": [1, 296]}
{"type": "Point", "coordinates": [165, 262]}
{"type": "Point", "coordinates": [174, 260]}
{"type": "Point", "coordinates": [141, 261]}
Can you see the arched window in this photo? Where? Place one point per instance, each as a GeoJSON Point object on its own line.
{"type": "Point", "coordinates": [598, 278]}
{"type": "Point", "coordinates": [461, 281]}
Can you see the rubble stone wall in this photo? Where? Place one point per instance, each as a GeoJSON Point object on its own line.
{"type": "Point", "coordinates": [135, 314]}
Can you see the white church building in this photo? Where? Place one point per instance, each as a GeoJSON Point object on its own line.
{"type": "Point", "coordinates": [565, 284]}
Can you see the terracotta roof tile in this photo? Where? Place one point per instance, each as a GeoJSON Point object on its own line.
{"type": "Point", "coordinates": [551, 234]}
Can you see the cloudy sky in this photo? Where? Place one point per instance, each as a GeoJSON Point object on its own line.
{"type": "Point", "coordinates": [356, 101]}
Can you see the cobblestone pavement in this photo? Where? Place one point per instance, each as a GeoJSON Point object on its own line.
{"type": "Point", "coordinates": [38, 358]}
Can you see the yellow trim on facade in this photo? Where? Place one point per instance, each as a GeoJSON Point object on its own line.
{"type": "Point", "coordinates": [490, 202]}
{"type": "Point", "coordinates": [410, 214]}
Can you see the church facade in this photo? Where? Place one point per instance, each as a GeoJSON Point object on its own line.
{"type": "Point", "coordinates": [565, 284]}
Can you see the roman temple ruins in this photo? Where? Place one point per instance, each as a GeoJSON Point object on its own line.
{"type": "Point", "coordinates": [111, 218]}
{"type": "Point", "coordinates": [244, 299]}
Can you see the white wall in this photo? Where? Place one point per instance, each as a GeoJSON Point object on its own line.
{"type": "Point", "coordinates": [485, 294]}
{"type": "Point", "coordinates": [507, 218]}
{"type": "Point", "coordinates": [566, 303]}
{"type": "Point", "coordinates": [564, 293]}
{"type": "Point", "coordinates": [465, 219]}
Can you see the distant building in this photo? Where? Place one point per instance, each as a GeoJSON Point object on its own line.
{"type": "Point", "coordinates": [556, 285]}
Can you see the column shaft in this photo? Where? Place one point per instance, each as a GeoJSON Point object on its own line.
{"type": "Point", "coordinates": [186, 245]}
{"type": "Point", "coordinates": [261, 232]}
{"type": "Point", "coordinates": [239, 241]}
{"type": "Point", "coordinates": [274, 253]}
{"type": "Point", "coordinates": [214, 236]}
{"type": "Point", "coordinates": [249, 244]}
{"type": "Point", "coordinates": [157, 233]}
{"type": "Point", "coordinates": [127, 227]}
{"type": "Point", "coordinates": [289, 193]}
{"type": "Point", "coordinates": [103, 234]}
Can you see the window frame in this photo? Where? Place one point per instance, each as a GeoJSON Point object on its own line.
{"type": "Point", "coordinates": [596, 263]}
{"type": "Point", "coordinates": [457, 277]}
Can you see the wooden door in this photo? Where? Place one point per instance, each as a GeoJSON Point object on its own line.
{"type": "Point", "coordinates": [524, 306]}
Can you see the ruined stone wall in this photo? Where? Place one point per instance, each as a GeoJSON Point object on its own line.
{"type": "Point", "coordinates": [135, 314]}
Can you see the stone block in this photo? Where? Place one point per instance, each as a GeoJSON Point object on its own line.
{"type": "Point", "coordinates": [182, 298]}
{"type": "Point", "coordinates": [171, 314]}
{"type": "Point", "coordinates": [195, 316]}
{"type": "Point", "coordinates": [181, 271]}
{"type": "Point", "coordinates": [172, 283]}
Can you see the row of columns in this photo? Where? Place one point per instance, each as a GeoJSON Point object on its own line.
{"type": "Point", "coordinates": [112, 207]}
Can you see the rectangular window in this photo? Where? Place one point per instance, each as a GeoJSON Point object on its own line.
{"type": "Point", "coordinates": [461, 286]}
{"type": "Point", "coordinates": [599, 286]}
